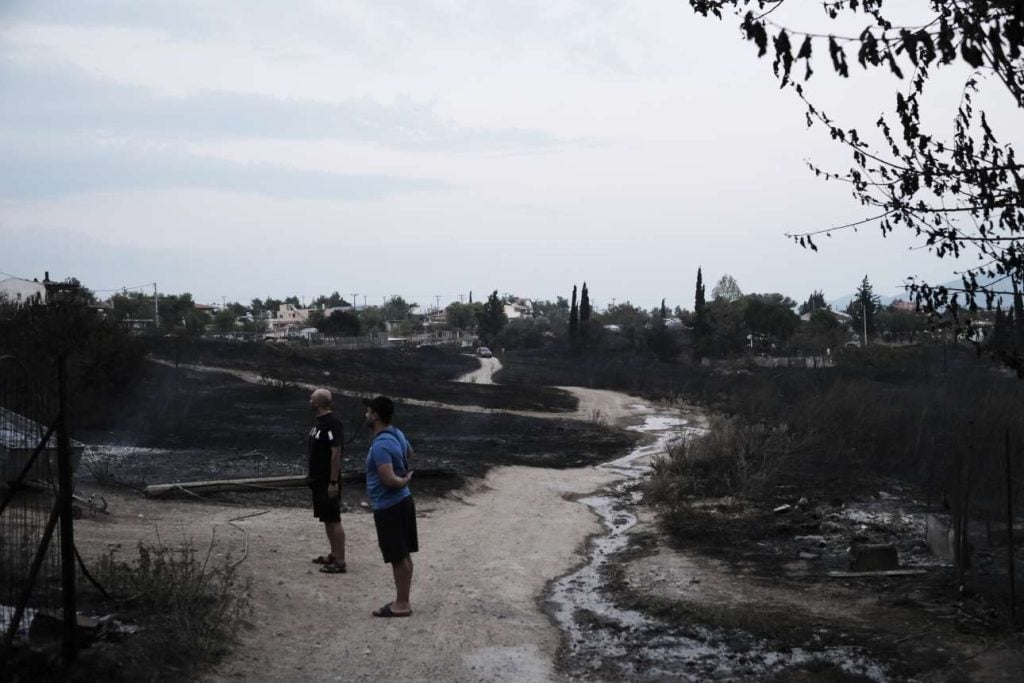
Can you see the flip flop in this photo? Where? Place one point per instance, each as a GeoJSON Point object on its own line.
{"type": "Point", "coordinates": [386, 612]}
{"type": "Point", "coordinates": [333, 568]}
{"type": "Point", "coordinates": [324, 559]}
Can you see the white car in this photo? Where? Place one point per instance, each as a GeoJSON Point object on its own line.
{"type": "Point", "coordinates": [484, 352]}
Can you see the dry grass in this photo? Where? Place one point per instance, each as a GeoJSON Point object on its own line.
{"type": "Point", "coordinates": [189, 608]}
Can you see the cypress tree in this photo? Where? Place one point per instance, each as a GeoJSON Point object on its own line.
{"type": "Point", "coordinates": [700, 320]}
{"type": "Point", "coordinates": [584, 305]}
{"type": "Point", "coordinates": [574, 317]}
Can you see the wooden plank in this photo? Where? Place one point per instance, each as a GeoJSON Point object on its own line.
{"type": "Point", "coordinates": [285, 482]}
{"type": "Point", "coordinates": [868, 575]}
{"type": "Point", "coordinates": [213, 485]}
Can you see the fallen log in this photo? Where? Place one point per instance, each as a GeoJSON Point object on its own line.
{"type": "Point", "coordinates": [270, 483]}
{"type": "Point", "coordinates": [868, 575]}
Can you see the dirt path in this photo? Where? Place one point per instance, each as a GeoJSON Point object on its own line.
{"type": "Point", "coordinates": [595, 405]}
{"type": "Point", "coordinates": [486, 557]}
{"type": "Point", "coordinates": [484, 374]}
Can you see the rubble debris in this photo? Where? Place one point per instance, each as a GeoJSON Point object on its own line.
{"type": "Point", "coordinates": [873, 557]}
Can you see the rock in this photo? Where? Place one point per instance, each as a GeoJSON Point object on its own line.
{"type": "Point", "coordinates": [803, 503]}
{"type": "Point", "coordinates": [866, 557]}
{"type": "Point", "coordinates": [782, 509]}
{"type": "Point", "coordinates": [804, 555]}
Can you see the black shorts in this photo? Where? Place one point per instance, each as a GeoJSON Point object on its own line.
{"type": "Point", "coordinates": [325, 509]}
{"type": "Point", "coordinates": [396, 530]}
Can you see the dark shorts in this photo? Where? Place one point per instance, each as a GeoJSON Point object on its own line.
{"type": "Point", "coordinates": [325, 509]}
{"type": "Point", "coordinates": [396, 530]}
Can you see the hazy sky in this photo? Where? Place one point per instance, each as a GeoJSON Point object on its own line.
{"type": "Point", "coordinates": [246, 149]}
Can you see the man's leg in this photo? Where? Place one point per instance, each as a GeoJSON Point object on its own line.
{"type": "Point", "coordinates": [403, 584]}
{"type": "Point", "coordinates": [336, 537]}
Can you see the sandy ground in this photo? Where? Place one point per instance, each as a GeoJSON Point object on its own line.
{"type": "Point", "coordinates": [487, 554]}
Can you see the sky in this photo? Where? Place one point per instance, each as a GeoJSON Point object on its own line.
{"type": "Point", "coordinates": [425, 149]}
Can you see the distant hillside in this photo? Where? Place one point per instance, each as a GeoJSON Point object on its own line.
{"type": "Point", "coordinates": [840, 303]}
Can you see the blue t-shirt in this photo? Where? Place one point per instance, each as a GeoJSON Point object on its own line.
{"type": "Point", "coordinates": [390, 446]}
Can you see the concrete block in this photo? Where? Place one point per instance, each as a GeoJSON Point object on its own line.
{"type": "Point", "coordinates": [941, 539]}
{"type": "Point", "coordinates": [873, 557]}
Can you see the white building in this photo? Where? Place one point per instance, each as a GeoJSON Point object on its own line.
{"type": "Point", "coordinates": [520, 308]}
{"type": "Point", "coordinates": [21, 291]}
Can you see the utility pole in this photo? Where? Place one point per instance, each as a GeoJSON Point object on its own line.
{"type": "Point", "coordinates": [156, 307]}
{"type": "Point", "coordinates": [355, 302]}
{"type": "Point", "coordinates": [864, 316]}
{"type": "Point", "coordinates": [438, 297]}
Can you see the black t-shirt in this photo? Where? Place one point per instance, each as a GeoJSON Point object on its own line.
{"type": "Point", "coordinates": [326, 434]}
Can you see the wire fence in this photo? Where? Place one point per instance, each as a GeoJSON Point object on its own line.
{"type": "Point", "coordinates": [37, 458]}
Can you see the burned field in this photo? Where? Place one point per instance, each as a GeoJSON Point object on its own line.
{"type": "Point", "coordinates": [181, 424]}
{"type": "Point", "coordinates": [424, 373]}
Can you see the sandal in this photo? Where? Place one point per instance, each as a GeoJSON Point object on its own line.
{"type": "Point", "coordinates": [333, 568]}
{"type": "Point", "coordinates": [324, 559]}
{"type": "Point", "coordinates": [386, 612]}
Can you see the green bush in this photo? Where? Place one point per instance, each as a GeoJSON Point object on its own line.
{"type": "Point", "coordinates": [189, 609]}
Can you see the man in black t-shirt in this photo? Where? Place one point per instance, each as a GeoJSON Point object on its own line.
{"type": "Point", "coordinates": [325, 442]}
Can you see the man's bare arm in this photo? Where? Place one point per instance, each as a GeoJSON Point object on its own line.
{"type": "Point", "coordinates": [390, 479]}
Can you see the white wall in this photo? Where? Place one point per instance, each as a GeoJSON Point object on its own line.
{"type": "Point", "coordinates": [21, 291]}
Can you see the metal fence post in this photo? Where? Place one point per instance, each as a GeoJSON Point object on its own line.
{"type": "Point", "coordinates": [67, 541]}
{"type": "Point", "coordinates": [1009, 532]}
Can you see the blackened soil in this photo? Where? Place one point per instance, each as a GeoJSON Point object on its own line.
{"type": "Point", "coordinates": [424, 374]}
{"type": "Point", "coordinates": [211, 425]}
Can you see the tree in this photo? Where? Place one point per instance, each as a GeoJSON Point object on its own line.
{"type": "Point", "coordinates": [961, 195]}
{"type": "Point", "coordinates": [335, 300]}
{"type": "Point", "coordinates": [462, 316]}
{"type": "Point", "coordinates": [822, 333]}
{"type": "Point", "coordinates": [524, 333]}
{"type": "Point", "coordinates": [397, 308]}
{"type": "Point", "coordinates": [237, 309]}
{"type": "Point", "coordinates": [899, 325]}
{"type": "Point", "coordinates": [492, 318]}
{"type": "Point", "coordinates": [815, 302]}
{"type": "Point", "coordinates": [269, 305]}
{"type": "Point", "coordinates": [293, 300]}
{"type": "Point", "coordinates": [225, 320]}
{"type": "Point", "coordinates": [372, 319]}
{"type": "Point", "coordinates": [340, 324]}
{"type": "Point", "coordinates": [700, 319]}
{"type": "Point", "coordinates": [770, 315]}
{"type": "Point", "coordinates": [865, 304]}
{"type": "Point", "coordinates": [574, 318]}
{"type": "Point", "coordinates": [584, 305]}
{"type": "Point", "coordinates": [660, 339]}
{"type": "Point", "coordinates": [727, 289]}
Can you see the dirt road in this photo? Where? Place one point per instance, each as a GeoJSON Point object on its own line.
{"type": "Point", "coordinates": [486, 557]}
{"type": "Point", "coordinates": [595, 405]}
{"type": "Point", "coordinates": [487, 554]}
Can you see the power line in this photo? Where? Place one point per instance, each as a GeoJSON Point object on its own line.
{"type": "Point", "coordinates": [122, 289]}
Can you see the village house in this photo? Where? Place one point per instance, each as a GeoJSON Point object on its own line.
{"type": "Point", "coordinates": [20, 291]}
{"type": "Point", "coordinates": [519, 308]}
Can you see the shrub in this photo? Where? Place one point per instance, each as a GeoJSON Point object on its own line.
{"type": "Point", "coordinates": [732, 458]}
{"type": "Point", "coordinates": [189, 610]}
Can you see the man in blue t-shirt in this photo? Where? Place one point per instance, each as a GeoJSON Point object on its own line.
{"type": "Point", "coordinates": [394, 515]}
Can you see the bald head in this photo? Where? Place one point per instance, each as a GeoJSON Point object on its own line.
{"type": "Point", "coordinates": [320, 399]}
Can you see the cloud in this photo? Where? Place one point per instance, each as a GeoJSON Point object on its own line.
{"type": "Point", "coordinates": [33, 172]}
{"type": "Point", "coordinates": [52, 98]}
